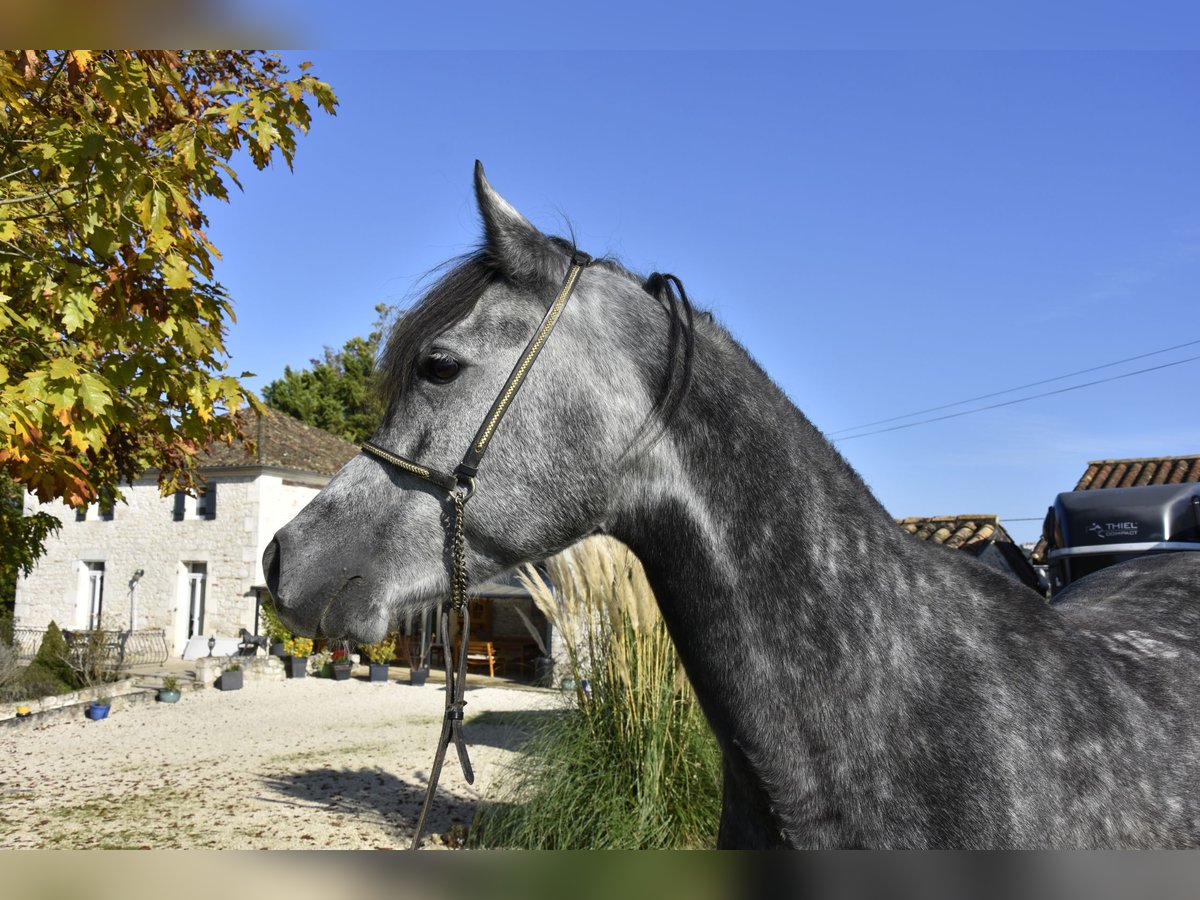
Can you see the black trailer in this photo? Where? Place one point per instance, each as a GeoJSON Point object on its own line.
{"type": "Point", "coordinates": [1089, 530]}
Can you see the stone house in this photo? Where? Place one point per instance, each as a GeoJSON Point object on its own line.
{"type": "Point", "coordinates": [181, 566]}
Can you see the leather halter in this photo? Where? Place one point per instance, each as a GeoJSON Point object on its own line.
{"type": "Point", "coordinates": [460, 485]}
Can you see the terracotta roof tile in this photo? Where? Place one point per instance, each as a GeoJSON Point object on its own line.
{"type": "Point", "coordinates": [283, 442]}
{"type": "Point", "coordinates": [956, 531]}
{"type": "Point", "coordinates": [1111, 473]}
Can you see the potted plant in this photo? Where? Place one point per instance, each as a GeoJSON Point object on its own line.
{"type": "Point", "coordinates": [98, 708]}
{"type": "Point", "coordinates": [380, 654]}
{"type": "Point", "coordinates": [169, 692]}
{"type": "Point", "coordinates": [418, 646]}
{"type": "Point", "coordinates": [276, 632]}
{"type": "Point", "coordinates": [296, 651]}
{"type": "Point", "coordinates": [320, 664]}
{"type": "Point", "coordinates": [231, 677]}
{"type": "Point", "coordinates": [91, 656]}
{"type": "Point", "coordinates": [339, 661]}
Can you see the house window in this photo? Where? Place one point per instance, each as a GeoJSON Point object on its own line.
{"type": "Point", "coordinates": [206, 502]}
{"type": "Point", "coordinates": [94, 593]}
{"type": "Point", "coordinates": [202, 506]}
{"type": "Point", "coordinates": [197, 578]}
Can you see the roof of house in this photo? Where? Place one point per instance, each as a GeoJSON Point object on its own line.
{"type": "Point", "coordinates": [956, 531]}
{"type": "Point", "coordinates": [281, 441]}
{"type": "Point", "coordinates": [1114, 473]}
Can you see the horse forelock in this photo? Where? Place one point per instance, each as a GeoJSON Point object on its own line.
{"type": "Point", "coordinates": [449, 301]}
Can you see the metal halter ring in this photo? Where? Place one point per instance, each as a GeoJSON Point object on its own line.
{"type": "Point", "coordinates": [467, 484]}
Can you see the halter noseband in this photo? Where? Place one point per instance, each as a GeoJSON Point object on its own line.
{"type": "Point", "coordinates": [460, 485]}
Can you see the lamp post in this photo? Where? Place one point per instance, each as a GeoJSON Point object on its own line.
{"type": "Point", "coordinates": [212, 642]}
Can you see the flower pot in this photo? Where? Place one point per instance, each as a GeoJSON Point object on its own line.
{"type": "Point", "coordinates": [341, 671]}
{"type": "Point", "coordinates": [296, 666]}
{"type": "Point", "coordinates": [379, 672]}
{"type": "Point", "coordinates": [96, 711]}
{"type": "Point", "coordinates": [165, 696]}
{"type": "Point", "coordinates": [326, 671]}
{"type": "Point", "coordinates": [230, 680]}
{"type": "Point", "coordinates": [277, 650]}
{"type": "Point", "coordinates": [416, 677]}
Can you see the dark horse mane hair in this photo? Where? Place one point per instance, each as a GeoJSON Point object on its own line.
{"type": "Point", "coordinates": [453, 296]}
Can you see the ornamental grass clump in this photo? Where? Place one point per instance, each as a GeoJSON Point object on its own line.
{"type": "Point", "coordinates": [632, 766]}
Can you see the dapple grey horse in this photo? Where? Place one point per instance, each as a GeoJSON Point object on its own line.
{"type": "Point", "coordinates": [867, 689]}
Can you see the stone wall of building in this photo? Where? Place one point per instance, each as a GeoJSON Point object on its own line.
{"type": "Point", "coordinates": [143, 535]}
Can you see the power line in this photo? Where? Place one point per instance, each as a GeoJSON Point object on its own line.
{"type": "Point", "coordinates": [921, 412]}
{"type": "Point", "coordinates": [967, 412]}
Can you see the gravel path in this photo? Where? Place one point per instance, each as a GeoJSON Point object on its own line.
{"type": "Point", "coordinates": [310, 763]}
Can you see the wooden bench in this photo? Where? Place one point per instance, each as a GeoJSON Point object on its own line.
{"type": "Point", "coordinates": [483, 653]}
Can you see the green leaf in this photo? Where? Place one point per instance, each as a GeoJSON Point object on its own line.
{"type": "Point", "coordinates": [77, 312]}
{"type": "Point", "coordinates": [103, 242]}
{"type": "Point", "coordinates": [176, 273]}
{"type": "Point", "coordinates": [63, 368]}
{"type": "Point", "coordinates": [94, 393]}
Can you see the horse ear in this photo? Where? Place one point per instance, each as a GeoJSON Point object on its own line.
{"type": "Point", "coordinates": [521, 251]}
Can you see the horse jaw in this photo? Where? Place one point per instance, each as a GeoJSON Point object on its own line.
{"type": "Point", "coordinates": [357, 589]}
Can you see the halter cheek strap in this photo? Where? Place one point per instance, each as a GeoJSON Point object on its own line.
{"type": "Point", "coordinates": [460, 485]}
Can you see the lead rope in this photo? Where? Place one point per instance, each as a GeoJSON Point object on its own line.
{"type": "Point", "coordinates": [456, 682]}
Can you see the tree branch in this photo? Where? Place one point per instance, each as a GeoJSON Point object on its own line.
{"type": "Point", "coordinates": [43, 196]}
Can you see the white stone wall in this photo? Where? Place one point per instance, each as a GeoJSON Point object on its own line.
{"type": "Point", "coordinates": [251, 506]}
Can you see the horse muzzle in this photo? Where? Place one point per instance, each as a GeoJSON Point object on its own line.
{"type": "Point", "coordinates": [329, 602]}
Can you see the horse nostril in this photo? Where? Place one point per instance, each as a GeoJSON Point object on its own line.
{"type": "Point", "coordinates": [270, 563]}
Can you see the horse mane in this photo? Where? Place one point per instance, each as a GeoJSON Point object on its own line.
{"type": "Point", "coordinates": [453, 296]}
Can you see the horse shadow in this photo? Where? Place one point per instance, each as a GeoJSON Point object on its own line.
{"type": "Point", "coordinates": [393, 802]}
{"type": "Point", "coordinates": [370, 794]}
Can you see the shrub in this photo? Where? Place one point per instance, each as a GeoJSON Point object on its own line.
{"type": "Point", "coordinates": [52, 655]}
{"type": "Point", "coordinates": [10, 669]}
{"type": "Point", "coordinates": [634, 765]}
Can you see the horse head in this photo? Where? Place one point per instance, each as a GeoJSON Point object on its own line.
{"type": "Point", "coordinates": [373, 546]}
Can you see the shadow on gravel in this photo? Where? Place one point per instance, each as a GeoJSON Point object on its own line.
{"type": "Point", "coordinates": [371, 794]}
{"type": "Point", "coordinates": [507, 730]}
{"type": "Point", "coordinates": [394, 802]}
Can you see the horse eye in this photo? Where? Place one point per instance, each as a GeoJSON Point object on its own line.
{"type": "Point", "coordinates": [441, 367]}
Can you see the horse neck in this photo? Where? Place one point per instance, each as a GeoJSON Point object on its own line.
{"type": "Point", "coordinates": [774, 566]}
{"type": "Point", "coordinates": [745, 513]}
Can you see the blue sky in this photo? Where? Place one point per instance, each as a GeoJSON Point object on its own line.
{"type": "Point", "coordinates": [886, 231]}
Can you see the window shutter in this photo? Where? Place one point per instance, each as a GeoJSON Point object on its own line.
{"type": "Point", "coordinates": [178, 514]}
{"type": "Point", "coordinates": [210, 497]}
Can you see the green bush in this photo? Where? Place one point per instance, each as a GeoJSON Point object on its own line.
{"type": "Point", "coordinates": [633, 766]}
{"type": "Point", "coordinates": [53, 657]}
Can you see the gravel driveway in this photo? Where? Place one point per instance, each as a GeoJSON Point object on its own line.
{"type": "Point", "coordinates": [310, 763]}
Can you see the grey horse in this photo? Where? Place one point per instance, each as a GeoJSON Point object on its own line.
{"type": "Point", "coordinates": [866, 689]}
